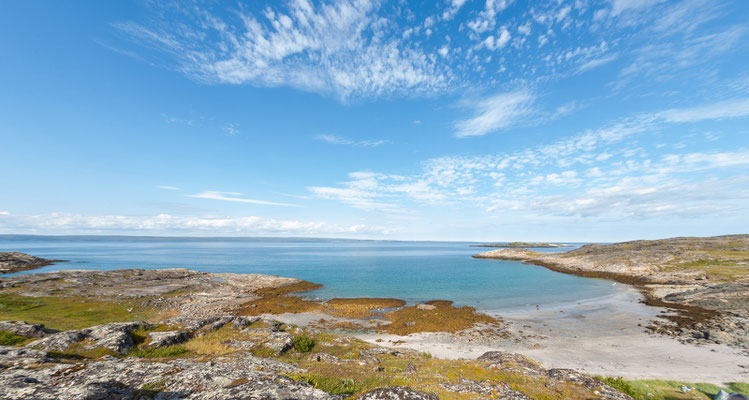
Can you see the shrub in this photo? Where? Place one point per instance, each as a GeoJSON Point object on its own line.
{"type": "Point", "coordinates": [330, 384]}
{"type": "Point", "coordinates": [302, 343]}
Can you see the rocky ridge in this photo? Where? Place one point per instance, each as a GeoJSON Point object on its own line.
{"type": "Point", "coordinates": [704, 282]}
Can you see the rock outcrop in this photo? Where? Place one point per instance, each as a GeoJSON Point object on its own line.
{"type": "Point", "coordinates": [13, 261]}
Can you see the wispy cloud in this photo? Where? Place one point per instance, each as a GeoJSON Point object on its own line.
{"type": "Point", "coordinates": [166, 223]}
{"type": "Point", "coordinates": [168, 187]}
{"type": "Point", "coordinates": [496, 113]}
{"type": "Point", "coordinates": [734, 108]}
{"type": "Point", "coordinates": [342, 140]}
{"type": "Point", "coordinates": [335, 47]}
{"type": "Point", "coordinates": [231, 129]}
{"type": "Point", "coordinates": [231, 196]}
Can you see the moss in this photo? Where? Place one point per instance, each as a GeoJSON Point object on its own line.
{"type": "Point", "coordinates": [64, 313]}
{"type": "Point", "coordinates": [161, 352]}
{"type": "Point", "coordinates": [444, 318]}
{"type": "Point", "coordinates": [11, 339]}
{"type": "Point", "coordinates": [330, 384]}
{"type": "Point", "coordinates": [670, 390]}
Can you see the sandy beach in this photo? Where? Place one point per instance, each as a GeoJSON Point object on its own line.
{"type": "Point", "coordinates": [602, 336]}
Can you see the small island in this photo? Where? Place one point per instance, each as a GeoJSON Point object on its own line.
{"type": "Point", "coordinates": [521, 245]}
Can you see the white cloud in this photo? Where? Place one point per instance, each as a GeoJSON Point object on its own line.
{"type": "Point", "coordinates": [231, 129]}
{"type": "Point", "coordinates": [620, 6]}
{"type": "Point", "coordinates": [230, 196]}
{"type": "Point", "coordinates": [168, 187]}
{"type": "Point", "coordinates": [333, 139]}
{"type": "Point", "coordinates": [336, 47]}
{"type": "Point", "coordinates": [734, 108]}
{"type": "Point", "coordinates": [487, 18]}
{"type": "Point", "coordinates": [495, 113]}
{"type": "Point", "coordinates": [56, 223]}
{"type": "Point", "coordinates": [588, 65]}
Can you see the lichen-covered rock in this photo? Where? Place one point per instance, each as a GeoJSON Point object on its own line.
{"type": "Point", "coordinates": [569, 375]}
{"type": "Point", "coordinates": [25, 329]}
{"type": "Point", "coordinates": [168, 338]}
{"type": "Point", "coordinates": [10, 355]}
{"type": "Point", "coordinates": [507, 361]}
{"type": "Point", "coordinates": [279, 342]}
{"type": "Point", "coordinates": [492, 389]}
{"type": "Point", "coordinates": [245, 378]}
{"type": "Point", "coordinates": [397, 393]}
{"type": "Point", "coordinates": [113, 336]}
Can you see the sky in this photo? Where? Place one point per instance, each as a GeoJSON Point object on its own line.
{"type": "Point", "coordinates": [476, 120]}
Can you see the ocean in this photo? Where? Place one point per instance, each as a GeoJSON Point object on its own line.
{"type": "Point", "coordinates": [413, 271]}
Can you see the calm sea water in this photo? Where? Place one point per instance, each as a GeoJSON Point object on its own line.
{"type": "Point", "coordinates": [413, 271]}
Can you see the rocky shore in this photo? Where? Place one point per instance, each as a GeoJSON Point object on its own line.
{"type": "Point", "coordinates": [180, 334]}
{"type": "Point", "coordinates": [703, 282]}
{"type": "Point", "coordinates": [14, 261]}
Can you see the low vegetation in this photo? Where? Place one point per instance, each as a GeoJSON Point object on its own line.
{"type": "Point", "coordinates": [64, 313]}
{"type": "Point", "coordinates": [11, 339]}
{"type": "Point", "coordinates": [671, 390]}
{"type": "Point", "coordinates": [302, 343]}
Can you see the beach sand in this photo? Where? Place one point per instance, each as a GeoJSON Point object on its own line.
{"type": "Point", "coordinates": [597, 336]}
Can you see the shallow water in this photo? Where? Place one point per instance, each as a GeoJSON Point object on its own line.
{"type": "Point", "coordinates": [413, 271]}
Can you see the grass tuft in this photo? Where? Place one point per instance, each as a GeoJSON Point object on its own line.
{"type": "Point", "coordinates": [161, 352]}
{"type": "Point", "coordinates": [11, 339]}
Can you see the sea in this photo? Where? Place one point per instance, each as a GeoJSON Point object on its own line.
{"type": "Point", "coordinates": [408, 270]}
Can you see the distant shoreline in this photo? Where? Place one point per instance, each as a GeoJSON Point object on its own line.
{"type": "Point", "coordinates": [522, 245]}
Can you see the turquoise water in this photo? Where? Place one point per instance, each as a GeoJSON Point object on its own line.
{"type": "Point", "coordinates": [413, 271]}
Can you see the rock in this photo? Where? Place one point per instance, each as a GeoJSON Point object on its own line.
{"type": "Point", "coordinates": [245, 378]}
{"type": "Point", "coordinates": [410, 323]}
{"type": "Point", "coordinates": [24, 329]}
{"type": "Point", "coordinates": [410, 369]}
{"type": "Point", "coordinates": [491, 389]}
{"type": "Point", "coordinates": [512, 362]}
{"type": "Point", "coordinates": [279, 342]}
{"type": "Point", "coordinates": [169, 338]}
{"type": "Point", "coordinates": [113, 336]}
{"type": "Point", "coordinates": [215, 325]}
{"type": "Point", "coordinates": [426, 307]}
{"type": "Point", "coordinates": [239, 344]}
{"type": "Point", "coordinates": [13, 261]}
{"type": "Point", "coordinates": [604, 391]}
{"type": "Point", "coordinates": [10, 355]}
{"type": "Point", "coordinates": [325, 357]}
{"type": "Point", "coordinates": [397, 393]}
{"type": "Point", "coordinates": [243, 322]}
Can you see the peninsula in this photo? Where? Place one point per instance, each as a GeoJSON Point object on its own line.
{"type": "Point", "coordinates": [521, 245]}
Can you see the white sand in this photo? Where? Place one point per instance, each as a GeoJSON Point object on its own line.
{"type": "Point", "coordinates": [599, 336]}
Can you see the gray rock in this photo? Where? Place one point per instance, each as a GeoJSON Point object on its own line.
{"type": "Point", "coordinates": [325, 357]}
{"type": "Point", "coordinates": [10, 355]}
{"type": "Point", "coordinates": [13, 261]}
{"type": "Point", "coordinates": [24, 329]}
{"type": "Point", "coordinates": [168, 338]}
{"type": "Point", "coordinates": [569, 375]}
{"type": "Point", "coordinates": [490, 388]}
{"type": "Point", "coordinates": [114, 336]}
{"type": "Point", "coordinates": [244, 322]}
{"type": "Point", "coordinates": [397, 393]}
{"type": "Point", "coordinates": [507, 361]}
{"type": "Point", "coordinates": [279, 342]}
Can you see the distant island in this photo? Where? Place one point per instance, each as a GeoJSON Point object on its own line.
{"type": "Point", "coordinates": [520, 245]}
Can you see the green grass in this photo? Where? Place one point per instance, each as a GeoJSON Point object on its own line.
{"type": "Point", "coordinates": [302, 343]}
{"type": "Point", "coordinates": [671, 390]}
{"type": "Point", "coordinates": [161, 352]}
{"type": "Point", "coordinates": [330, 384]}
{"type": "Point", "coordinates": [11, 339]}
{"type": "Point", "coordinates": [64, 313]}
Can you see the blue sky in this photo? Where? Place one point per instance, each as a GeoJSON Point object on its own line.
{"type": "Point", "coordinates": [449, 120]}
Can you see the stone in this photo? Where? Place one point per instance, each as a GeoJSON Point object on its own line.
{"type": "Point", "coordinates": [325, 357]}
{"type": "Point", "coordinates": [507, 361]}
{"type": "Point", "coordinates": [279, 342]}
{"type": "Point", "coordinates": [113, 336]}
{"type": "Point", "coordinates": [426, 307]}
{"type": "Point", "coordinates": [605, 391]}
{"type": "Point", "coordinates": [168, 338]}
{"type": "Point", "coordinates": [24, 329]}
{"type": "Point", "coordinates": [397, 393]}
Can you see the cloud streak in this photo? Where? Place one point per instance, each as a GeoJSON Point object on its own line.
{"type": "Point", "coordinates": [231, 197]}
{"type": "Point", "coordinates": [496, 113]}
